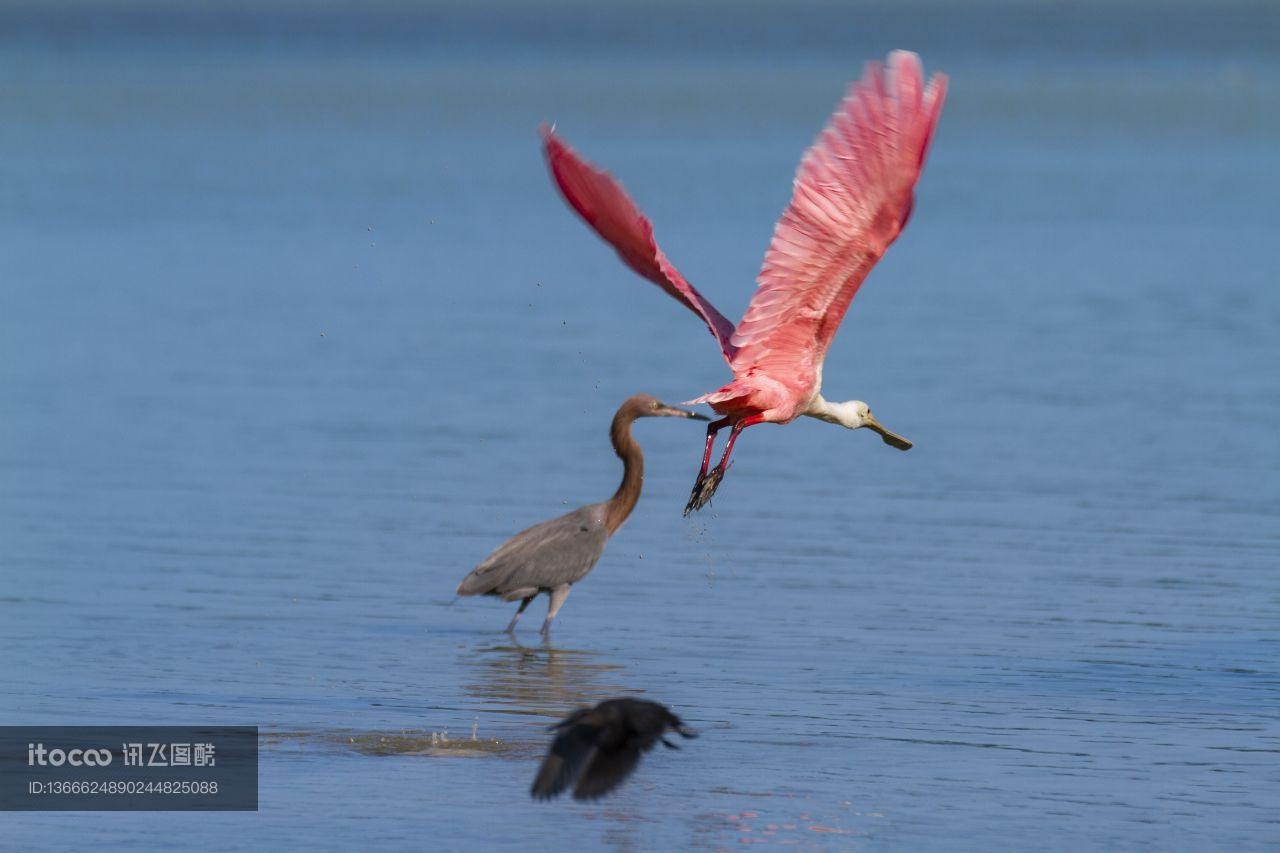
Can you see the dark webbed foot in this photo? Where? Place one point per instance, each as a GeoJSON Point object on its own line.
{"type": "Point", "coordinates": [704, 489]}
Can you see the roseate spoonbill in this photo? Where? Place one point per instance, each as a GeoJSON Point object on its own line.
{"type": "Point", "coordinates": [852, 196]}
{"type": "Point", "coordinates": [552, 556]}
{"type": "Point", "coordinates": [597, 748]}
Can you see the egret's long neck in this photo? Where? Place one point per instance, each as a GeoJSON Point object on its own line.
{"type": "Point", "coordinates": [624, 500]}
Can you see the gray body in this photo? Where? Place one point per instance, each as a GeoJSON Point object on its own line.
{"type": "Point", "coordinates": [549, 557]}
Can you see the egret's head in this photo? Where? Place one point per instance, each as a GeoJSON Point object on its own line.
{"type": "Point", "coordinates": [855, 414]}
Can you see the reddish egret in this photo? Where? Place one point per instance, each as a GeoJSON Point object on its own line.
{"type": "Point", "coordinates": [597, 748]}
{"type": "Point", "coordinates": [852, 196]}
{"type": "Point", "coordinates": [552, 556]}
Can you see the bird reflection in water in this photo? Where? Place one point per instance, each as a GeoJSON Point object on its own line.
{"type": "Point", "coordinates": [540, 681]}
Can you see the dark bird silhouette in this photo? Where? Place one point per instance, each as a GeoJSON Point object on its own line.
{"type": "Point", "coordinates": [597, 748]}
{"type": "Point", "coordinates": [552, 556]}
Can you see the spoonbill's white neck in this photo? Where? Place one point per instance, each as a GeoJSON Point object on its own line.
{"type": "Point", "coordinates": [853, 414]}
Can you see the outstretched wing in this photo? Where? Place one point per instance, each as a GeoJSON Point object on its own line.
{"type": "Point", "coordinates": [602, 202]}
{"type": "Point", "coordinates": [853, 193]}
{"type": "Point", "coordinates": [606, 771]}
{"type": "Point", "coordinates": [574, 746]}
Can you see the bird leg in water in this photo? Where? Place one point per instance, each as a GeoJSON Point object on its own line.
{"type": "Point", "coordinates": [511, 626]}
{"type": "Point", "coordinates": [708, 481]}
{"type": "Point", "coordinates": [558, 595]}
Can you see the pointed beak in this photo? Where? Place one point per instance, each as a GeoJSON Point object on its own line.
{"type": "Point", "coordinates": [673, 412]}
{"type": "Point", "coordinates": [890, 438]}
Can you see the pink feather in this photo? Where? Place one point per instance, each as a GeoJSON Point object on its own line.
{"type": "Point", "coordinates": [602, 202]}
{"type": "Point", "coordinates": [852, 195]}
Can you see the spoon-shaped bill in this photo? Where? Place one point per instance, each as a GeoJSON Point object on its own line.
{"type": "Point", "coordinates": [890, 438]}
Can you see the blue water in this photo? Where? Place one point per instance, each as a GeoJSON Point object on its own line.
{"type": "Point", "coordinates": [294, 331]}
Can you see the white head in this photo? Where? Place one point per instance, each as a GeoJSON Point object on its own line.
{"type": "Point", "coordinates": [854, 414]}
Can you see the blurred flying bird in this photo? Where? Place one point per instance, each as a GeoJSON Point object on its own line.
{"type": "Point", "coordinates": [552, 556]}
{"type": "Point", "coordinates": [852, 196]}
{"type": "Point", "coordinates": [597, 748]}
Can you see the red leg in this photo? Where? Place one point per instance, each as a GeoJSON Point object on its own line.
{"type": "Point", "coordinates": [707, 483]}
{"type": "Point", "coordinates": [712, 428]}
{"type": "Point", "coordinates": [733, 436]}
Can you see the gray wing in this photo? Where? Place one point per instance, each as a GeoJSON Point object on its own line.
{"type": "Point", "coordinates": [545, 556]}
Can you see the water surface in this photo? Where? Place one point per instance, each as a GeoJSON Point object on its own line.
{"type": "Point", "coordinates": [294, 331]}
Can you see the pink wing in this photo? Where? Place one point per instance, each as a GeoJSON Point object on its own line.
{"type": "Point", "coordinates": [602, 202]}
{"type": "Point", "coordinates": [853, 194]}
